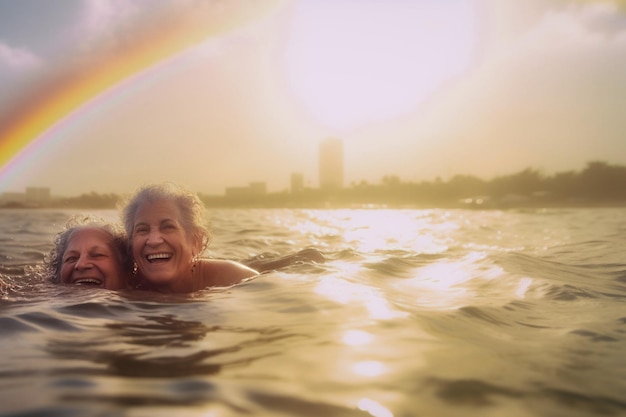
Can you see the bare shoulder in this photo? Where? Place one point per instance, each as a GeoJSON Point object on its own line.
{"type": "Point", "coordinates": [218, 272]}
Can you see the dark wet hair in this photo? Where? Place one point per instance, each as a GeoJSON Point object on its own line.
{"type": "Point", "coordinates": [54, 260]}
{"type": "Point", "coordinates": [192, 210]}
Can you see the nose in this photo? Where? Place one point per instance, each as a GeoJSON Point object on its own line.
{"type": "Point", "coordinates": [83, 262]}
{"type": "Point", "coordinates": [154, 237]}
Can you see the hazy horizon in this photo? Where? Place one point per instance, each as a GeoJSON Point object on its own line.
{"type": "Point", "coordinates": [597, 177]}
{"type": "Point", "coordinates": [106, 96]}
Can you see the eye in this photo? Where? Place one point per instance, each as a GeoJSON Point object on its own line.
{"type": "Point", "coordinates": [169, 226]}
{"type": "Point", "coordinates": [70, 259]}
{"type": "Point", "coordinates": [141, 230]}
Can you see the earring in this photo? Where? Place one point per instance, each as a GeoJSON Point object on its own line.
{"type": "Point", "coordinates": [194, 260]}
{"type": "Point", "coordinates": [134, 268]}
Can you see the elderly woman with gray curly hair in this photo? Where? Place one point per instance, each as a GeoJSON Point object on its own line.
{"type": "Point", "coordinates": [90, 252]}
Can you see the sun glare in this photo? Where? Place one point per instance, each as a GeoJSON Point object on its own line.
{"type": "Point", "coordinates": [354, 62]}
{"type": "Point", "coordinates": [369, 368]}
{"type": "Point", "coordinates": [345, 292]}
{"type": "Point", "coordinates": [357, 337]}
{"type": "Point", "coordinates": [374, 408]}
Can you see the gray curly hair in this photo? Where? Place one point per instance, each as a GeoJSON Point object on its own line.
{"type": "Point", "coordinates": [191, 208]}
{"type": "Point", "coordinates": [54, 260]}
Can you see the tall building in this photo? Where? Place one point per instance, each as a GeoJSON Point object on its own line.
{"type": "Point", "coordinates": [331, 164]}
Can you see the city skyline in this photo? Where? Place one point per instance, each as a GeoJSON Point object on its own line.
{"type": "Point", "coordinates": [598, 185]}
{"type": "Point", "coordinates": [605, 176]}
{"type": "Point", "coordinates": [330, 176]}
{"type": "Point", "coordinates": [111, 95]}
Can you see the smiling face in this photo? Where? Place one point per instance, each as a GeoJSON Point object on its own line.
{"type": "Point", "coordinates": [161, 247]}
{"type": "Point", "coordinates": [92, 259]}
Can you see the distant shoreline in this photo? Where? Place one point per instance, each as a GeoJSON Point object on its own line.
{"type": "Point", "coordinates": [598, 185]}
{"type": "Point", "coordinates": [362, 206]}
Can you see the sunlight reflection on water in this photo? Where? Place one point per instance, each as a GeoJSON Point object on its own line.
{"type": "Point", "coordinates": [456, 313]}
{"type": "Point", "coordinates": [370, 230]}
{"type": "Point", "coordinates": [344, 292]}
{"type": "Point", "coordinates": [374, 408]}
{"type": "Point", "coordinates": [369, 368]}
{"type": "Point", "coordinates": [450, 284]}
{"type": "Point", "coordinates": [357, 337]}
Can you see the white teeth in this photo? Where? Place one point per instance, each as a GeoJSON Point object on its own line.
{"type": "Point", "coordinates": [88, 281]}
{"type": "Point", "coordinates": [158, 256]}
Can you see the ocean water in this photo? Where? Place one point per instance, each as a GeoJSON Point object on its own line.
{"type": "Point", "coordinates": [414, 313]}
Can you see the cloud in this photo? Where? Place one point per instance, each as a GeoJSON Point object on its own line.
{"type": "Point", "coordinates": [112, 26]}
{"type": "Point", "coordinates": [18, 68]}
{"type": "Point", "coordinates": [605, 16]}
{"type": "Point", "coordinates": [553, 97]}
{"type": "Point", "coordinates": [14, 59]}
{"type": "Point", "coordinates": [594, 24]}
{"type": "Point", "coordinates": [107, 24]}
{"type": "Point", "coordinates": [576, 48]}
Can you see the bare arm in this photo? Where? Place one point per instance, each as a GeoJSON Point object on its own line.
{"type": "Point", "coordinates": [221, 273]}
{"type": "Point", "coordinates": [308, 255]}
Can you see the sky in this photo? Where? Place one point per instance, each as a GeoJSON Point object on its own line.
{"type": "Point", "coordinates": [108, 95]}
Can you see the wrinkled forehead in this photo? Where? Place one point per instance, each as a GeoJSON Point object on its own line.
{"type": "Point", "coordinates": [158, 210]}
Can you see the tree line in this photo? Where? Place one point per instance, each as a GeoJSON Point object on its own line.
{"type": "Point", "coordinates": [598, 184]}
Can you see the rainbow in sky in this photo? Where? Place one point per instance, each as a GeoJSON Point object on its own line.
{"type": "Point", "coordinates": [59, 99]}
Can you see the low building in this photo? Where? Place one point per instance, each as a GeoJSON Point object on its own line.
{"type": "Point", "coordinates": [252, 190]}
{"type": "Point", "coordinates": [33, 197]}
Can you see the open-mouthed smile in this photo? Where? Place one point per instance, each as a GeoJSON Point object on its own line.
{"type": "Point", "coordinates": [87, 281]}
{"type": "Point", "coordinates": [155, 257]}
